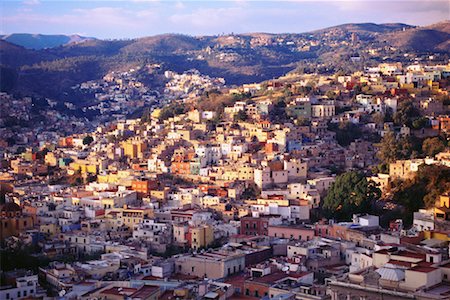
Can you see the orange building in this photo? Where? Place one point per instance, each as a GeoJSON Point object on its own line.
{"type": "Point", "coordinates": [144, 187]}
{"type": "Point", "coordinates": [444, 124]}
{"type": "Point", "coordinates": [181, 167]}
{"type": "Point", "coordinates": [13, 221]}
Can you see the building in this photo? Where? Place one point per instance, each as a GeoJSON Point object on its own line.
{"type": "Point", "coordinates": [254, 226]}
{"type": "Point", "coordinates": [13, 221]}
{"type": "Point", "coordinates": [213, 264]}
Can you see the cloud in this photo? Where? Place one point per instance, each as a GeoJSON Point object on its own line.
{"type": "Point", "coordinates": [98, 21]}
{"type": "Point", "coordinates": [209, 20]}
{"type": "Point", "coordinates": [124, 19]}
{"type": "Point", "coordinates": [180, 5]}
{"type": "Point", "coordinates": [31, 2]}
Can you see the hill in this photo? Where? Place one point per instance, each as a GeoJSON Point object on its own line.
{"type": "Point", "coordinates": [43, 41]}
{"type": "Point", "coordinates": [435, 37]}
{"type": "Point", "coordinates": [366, 28]}
{"type": "Point", "coordinates": [239, 58]}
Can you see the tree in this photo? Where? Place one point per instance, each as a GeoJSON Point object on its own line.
{"type": "Point", "coordinates": [432, 146]}
{"type": "Point", "coordinates": [331, 95]}
{"type": "Point", "coordinates": [387, 152]}
{"type": "Point", "coordinates": [405, 114]}
{"type": "Point", "coordinates": [421, 191]}
{"type": "Point", "coordinates": [350, 193]}
{"type": "Point", "coordinates": [346, 132]}
{"type": "Point", "coordinates": [87, 140]}
{"type": "Point", "coordinates": [420, 123]}
{"type": "Point", "coordinates": [278, 113]}
{"type": "Point", "coordinates": [303, 121]}
{"type": "Point", "coordinates": [241, 116]}
{"type": "Point", "coordinates": [378, 118]}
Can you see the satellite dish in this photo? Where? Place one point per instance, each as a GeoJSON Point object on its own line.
{"type": "Point", "coordinates": [285, 269]}
{"type": "Point", "coordinates": [62, 293]}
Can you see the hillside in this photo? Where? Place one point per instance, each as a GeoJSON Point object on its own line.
{"type": "Point", "coordinates": [367, 28]}
{"type": "Point", "coordinates": [239, 58]}
{"type": "Point", "coordinates": [43, 41]}
{"type": "Point", "coordinates": [435, 37]}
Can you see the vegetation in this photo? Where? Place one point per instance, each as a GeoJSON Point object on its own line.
{"type": "Point", "coordinates": [346, 132]}
{"type": "Point", "coordinates": [171, 111]}
{"type": "Point", "coordinates": [87, 140]}
{"type": "Point", "coordinates": [392, 149]}
{"type": "Point", "coordinates": [406, 113]}
{"type": "Point", "coordinates": [432, 146]}
{"type": "Point", "coordinates": [216, 101]}
{"type": "Point", "coordinates": [421, 191]}
{"type": "Point", "coordinates": [240, 116]}
{"type": "Point", "coordinates": [278, 113]}
{"type": "Point", "coordinates": [351, 193]}
{"type": "Point", "coordinates": [22, 258]}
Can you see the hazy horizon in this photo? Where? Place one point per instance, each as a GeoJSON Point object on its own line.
{"type": "Point", "coordinates": [140, 18]}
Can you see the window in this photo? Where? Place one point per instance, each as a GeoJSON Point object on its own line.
{"type": "Point", "coordinates": [247, 292]}
{"type": "Point", "coordinates": [193, 268]}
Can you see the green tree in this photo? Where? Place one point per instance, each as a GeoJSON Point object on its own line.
{"type": "Point", "coordinates": [432, 146]}
{"type": "Point", "coordinates": [420, 123]}
{"type": "Point", "coordinates": [350, 193]}
{"type": "Point", "coordinates": [346, 132]}
{"type": "Point", "coordinates": [378, 118]}
{"type": "Point", "coordinates": [421, 191]}
{"type": "Point", "coordinates": [406, 113]}
{"type": "Point", "coordinates": [387, 152]}
{"type": "Point", "coordinates": [87, 140]}
{"type": "Point", "coordinates": [278, 113]}
{"type": "Point", "coordinates": [241, 116]}
{"type": "Point", "coordinates": [331, 95]}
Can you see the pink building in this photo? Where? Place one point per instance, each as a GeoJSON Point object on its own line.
{"type": "Point", "coordinates": [292, 232]}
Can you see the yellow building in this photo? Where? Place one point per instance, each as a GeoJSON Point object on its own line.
{"type": "Point", "coordinates": [160, 196]}
{"type": "Point", "coordinates": [126, 216]}
{"type": "Point", "coordinates": [50, 229]}
{"type": "Point", "coordinates": [83, 166]}
{"type": "Point", "coordinates": [134, 148]}
{"type": "Point", "coordinates": [442, 236]}
{"type": "Point", "coordinates": [443, 210]}
{"type": "Point", "coordinates": [201, 236]}
{"type": "Point", "coordinates": [246, 173]}
{"type": "Point", "coordinates": [50, 159]}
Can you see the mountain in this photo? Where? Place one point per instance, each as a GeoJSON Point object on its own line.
{"type": "Point", "coordinates": [366, 28]}
{"type": "Point", "coordinates": [428, 38]}
{"type": "Point", "coordinates": [239, 58]}
{"type": "Point", "coordinates": [43, 41]}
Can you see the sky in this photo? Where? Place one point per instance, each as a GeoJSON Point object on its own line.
{"type": "Point", "coordinates": [137, 18]}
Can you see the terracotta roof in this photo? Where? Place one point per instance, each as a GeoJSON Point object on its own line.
{"type": "Point", "coordinates": [423, 269]}
{"type": "Point", "coordinates": [399, 263]}
{"type": "Point", "coordinates": [118, 291]}
{"type": "Point", "coordinates": [145, 291]}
